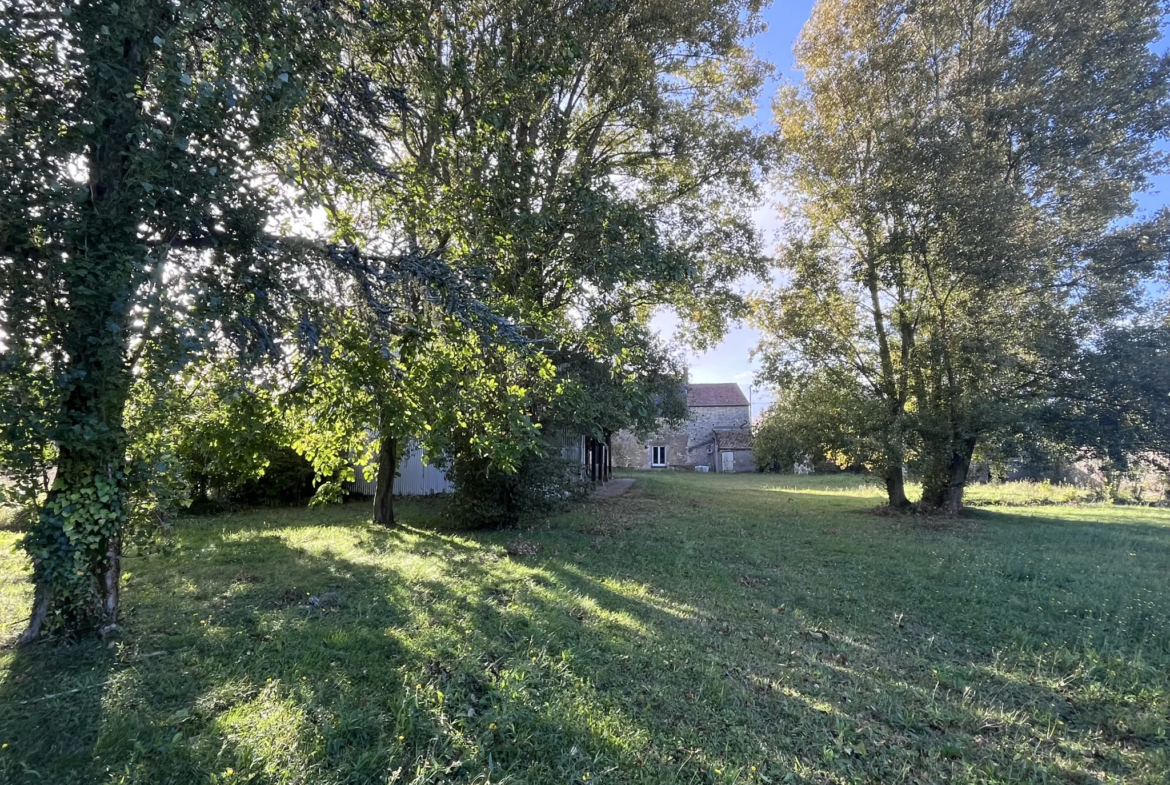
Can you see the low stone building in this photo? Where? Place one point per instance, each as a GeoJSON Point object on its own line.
{"type": "Point", "coordinates": [717, 435]}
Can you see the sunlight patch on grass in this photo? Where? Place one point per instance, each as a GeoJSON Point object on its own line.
{"type": "Point", "coordinates": [855, 490]}
{"type": "Point", "coordinates": [270, 735]}
{"type": "Point", "coordinates": [1027, 493]}
{"type": "Point", "coordinates": [636, 591]}
{"type": "Point", "coordinates": [698, 629]}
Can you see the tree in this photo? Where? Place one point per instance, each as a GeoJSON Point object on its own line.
{"type": "Point", "coordinates": [588, 161]}
{"type": "Point", "coordinates": [397, 363]}
{"type": "Point", "coordinates": [956, 177]}
{"type": "Point", "coordinates": [143, 227]}
{"type": "Point", "coordinates": [591, 157]}
{"type": "Point", "coordinates": [212, 426]}
{"type": "Point", "coordinates": [131, 135]}
{"type": "Point", "coordinates": [825, 418]}
{"type": "Point", "coordinates": [1115, 405]}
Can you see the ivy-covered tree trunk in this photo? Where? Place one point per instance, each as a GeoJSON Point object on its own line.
{"type": "Point", "coordinates": [75, 543]}
{"type": "Point", "coordinates": [76, 546]}
{"type": "Point", "coordinates": [130, 130]}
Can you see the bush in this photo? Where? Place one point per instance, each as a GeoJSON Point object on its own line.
{"type": "Point", "coordinates": [486, 496]}
{"type": "Point", "coordinates": [822, 422]}
{"type": "Point", "coordinates": [776, 442]}
{"type": "Point", "coordinates": [1022, 493]}
{"type": "Point", "coordinates": [287, 480]}
{"type": "Point", "coordinates": [16, 519]}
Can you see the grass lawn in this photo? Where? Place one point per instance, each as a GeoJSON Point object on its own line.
{"type": "Point", "coordinates": [700, 629]}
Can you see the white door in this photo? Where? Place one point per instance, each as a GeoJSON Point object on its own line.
{"type": "Point", "coordinates": [728, 461]}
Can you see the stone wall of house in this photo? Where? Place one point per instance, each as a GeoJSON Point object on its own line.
{"type": "Point", "coordinates": [686, 447]}
{"type": "Point", "coordinates": [630, 452]}
{"type": "Point", "coordinates": [705, 418]}
{"type": "Point", "coordinates": [702, 421]}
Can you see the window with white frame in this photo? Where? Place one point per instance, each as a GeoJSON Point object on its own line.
{"type": "Point", "coordinates": [658, 455]}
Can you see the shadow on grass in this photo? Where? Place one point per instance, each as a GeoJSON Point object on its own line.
{"type": "Point", "coordinates": [248, 657]}
{"type": "Point", "coordinates": [1036, 649]}
{"type": "Point", "coordinates": [660, 637]}
{"type": "Point", "coordinates": [51, 710]}
{"type": "Point", "coordinates": [1085, 523]}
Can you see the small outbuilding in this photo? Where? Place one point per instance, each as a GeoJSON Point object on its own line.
{"type": "Point", "coordinates": [733, 446]}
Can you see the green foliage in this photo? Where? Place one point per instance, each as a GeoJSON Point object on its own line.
{"type": "Point", "coordinates": [540, 485]}
{"type": "Point", "coordinates": [129, 216]}
{"type": "Point", "coordinates": [1116, 405]}
{"type": "Point", "coordinates": [287, 480]}
{"type": "Point", "coordinates": [775, 445]}
{"type": "Point", "coordinates": [824, 419]}
{"type": "Point", "coordinates": [624, 378]}
{"type": "Point", "coordinates": [428, 378]}
{"type": "Point", "coordinates": [593, 164]}
{"type": "Point", "coordinates": [214, 425]}
{"type": "Point", "coordinates": [959, 200]}
{"type": "Point", "coordinates": [212, 434]}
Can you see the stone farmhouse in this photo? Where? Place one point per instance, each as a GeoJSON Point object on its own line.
{"type": "Point", "coordinates": [716, 437]}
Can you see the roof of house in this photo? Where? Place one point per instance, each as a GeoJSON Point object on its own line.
{"type": "Point", "coordinates": [724, 394]}
{"type": "Point", "coordinates": [733, 439]}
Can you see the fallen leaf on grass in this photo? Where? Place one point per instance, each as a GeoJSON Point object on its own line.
{"type": "Point", "coordinates": [522, 547]}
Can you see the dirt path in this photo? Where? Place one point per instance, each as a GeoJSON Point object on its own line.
{"type": "Point", "coordinates": [613, 488]}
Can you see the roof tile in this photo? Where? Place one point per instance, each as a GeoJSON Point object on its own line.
{"type": "Point", "coordinates": [724, 394]}
{"type": "Point", "coordinates": [733, 439]}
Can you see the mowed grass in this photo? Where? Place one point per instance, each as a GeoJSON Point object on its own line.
{"type": "Point", "coordinates": [700, 629]}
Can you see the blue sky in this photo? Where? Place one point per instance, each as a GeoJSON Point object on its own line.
{"type": "Point", "coordinates": [729, 361]}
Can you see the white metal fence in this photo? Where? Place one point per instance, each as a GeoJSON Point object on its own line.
{"type": "Point", "coordinates": [414, 478]}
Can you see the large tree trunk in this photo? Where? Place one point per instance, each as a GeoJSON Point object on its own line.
{"type": "Point", "coordinates": [384, 493]}
{"type": "Point", "coordinates": [76, 539]}
{"type": "Point", "coordinates": [942, 490]}
{"type": "Point", "coordinates": [893, 386]}
{"type": "Point", "coordinates": [894, 476]}
{"type": "Point", "coordinates": [896, 488]}
{"type": "Point", "coordinates": [76, 544]}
